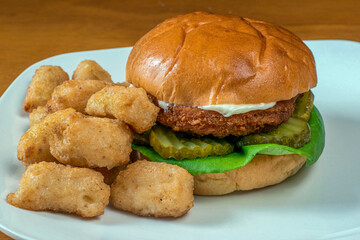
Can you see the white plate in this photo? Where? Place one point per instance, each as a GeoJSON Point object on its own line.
{"type": "Point", "coordinates": [320, 202]}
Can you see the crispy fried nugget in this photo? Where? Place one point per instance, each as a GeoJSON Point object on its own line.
{"type": "Point", "coordinates": [44, 81]}
{"type": "Point", "coordinates": [54, 187]}
{"type": "Point", "coordinates": [74, 94]}
{"type": "Point", "coordinates": [153, 189]}
{"type": "Point", "coordinates": [37, 115]}
{"type": "Point", "coordinates": [91, 70]}
{"type": "Point", "coordinates": [130, 105]}
{"type": "Point", "coordinates": [91, 142]}
{"type": "Point", "coordinates": [33, 146]}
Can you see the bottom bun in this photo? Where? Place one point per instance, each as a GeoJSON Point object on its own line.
{"type": "Point", "coordinates": [262, 171]}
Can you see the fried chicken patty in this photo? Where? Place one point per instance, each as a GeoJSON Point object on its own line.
{"type": "Point", "coordinates": [205, 122]}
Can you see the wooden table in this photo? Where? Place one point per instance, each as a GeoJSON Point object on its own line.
{"type": "Point", "coordinates": [33, 30]}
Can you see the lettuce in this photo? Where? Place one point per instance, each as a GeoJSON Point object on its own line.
{"type": "Point", "coordinates": [216, 164]}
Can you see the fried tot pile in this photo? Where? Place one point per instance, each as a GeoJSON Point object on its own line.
{"type": "Point", "coordinates": [79, 144]}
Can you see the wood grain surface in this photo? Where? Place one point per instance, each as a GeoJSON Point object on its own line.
{"type": "Point", "coordinates": [33, 30]}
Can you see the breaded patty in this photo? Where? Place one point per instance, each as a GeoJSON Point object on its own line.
{"type": "Point", "coordinates": [205, 122]}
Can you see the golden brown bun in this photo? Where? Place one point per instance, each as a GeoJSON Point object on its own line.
{"type": "Point", "coordinates": [202, 59]}
{"type": "Point", "coordinates": [262, 171]}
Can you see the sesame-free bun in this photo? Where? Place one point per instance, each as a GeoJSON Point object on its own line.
{"type": "Point", "coordinates": [202, 59]}
{"type": "Point", "coordinates": [262, 171]}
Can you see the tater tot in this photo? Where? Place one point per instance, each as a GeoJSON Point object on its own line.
{"type": "Point", "coordinates": [54, 187]}
{"type": "Point", "coordinates": [33, 146]}
{"type": "Point", "coordinates": [37, 115]}
{"type": "Point", "coordinates": [153, 189]}
{"type": "Point", "coordinates": [44, 81]}
{"type": "Point", "coordinates": [74, 94]}
{"type": "Point", "coordinates": [91, 142]}
{"type": "Point", "coordinates": [91, 70]}
{"type": "Point", "coordinates": [130, 105]}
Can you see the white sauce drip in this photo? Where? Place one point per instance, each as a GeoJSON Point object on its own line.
{"type": "Point", "coordinates": [228, 110]}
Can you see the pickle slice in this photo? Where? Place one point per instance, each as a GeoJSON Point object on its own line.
{"type": "Point", "coordinates": [171, 144]}
{"type": "Point", "coordinates": [142, 139]}
{"type": "Point", "coordinates": [293, 133]}
{"type": "Point", "coordinates": [304, 105]}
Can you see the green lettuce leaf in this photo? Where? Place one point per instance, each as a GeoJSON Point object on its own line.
{"type": "Point", "coordinates": [216, 164]}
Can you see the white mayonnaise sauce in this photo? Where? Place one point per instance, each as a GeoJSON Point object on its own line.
{"type": "Point", "coordinates": [228, 109]}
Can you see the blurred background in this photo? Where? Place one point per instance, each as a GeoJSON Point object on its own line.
{"type": "Point", "coordinates": [33, 30]}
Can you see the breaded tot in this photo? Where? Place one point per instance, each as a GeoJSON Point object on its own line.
{"type": "Point", "coordinates": [155, 189]}
{"type": "Point", "coordinates": [130, 105]}
{"type": "Point", "coordinates": [44, 81]}
{"type": "Point", "coordinates": [74, 94]}
{"type": "Point", "coordinates": [54, 187]}
{"type": "Point", "coordinates": [91, 70]}
{"type": "Point", "coordinates": [37, 115]}
{"type": "Point", "coordinates": [91, 142]}
{"type": "Point", "coordinates": [33, 146]}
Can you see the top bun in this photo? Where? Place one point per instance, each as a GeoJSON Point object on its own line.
{"type": "Point", "coordinates": [202, 59]}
